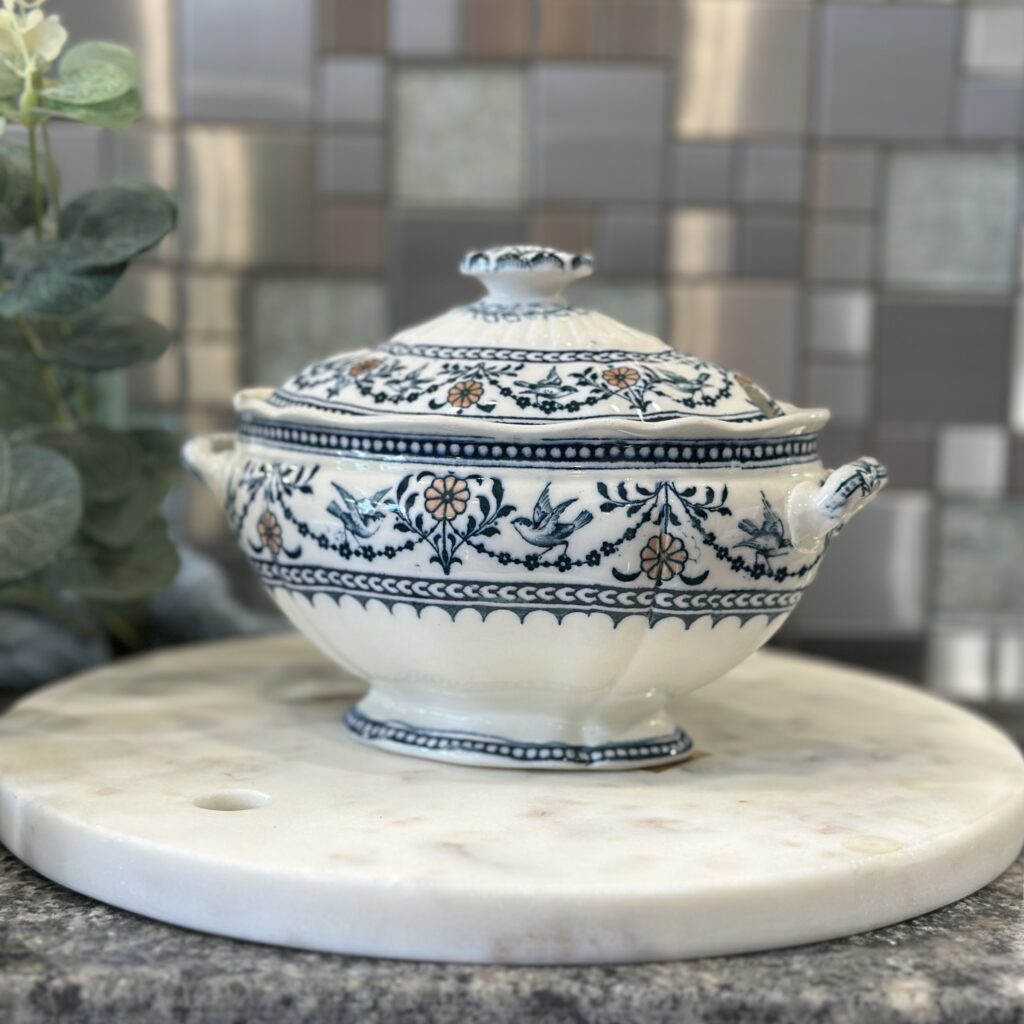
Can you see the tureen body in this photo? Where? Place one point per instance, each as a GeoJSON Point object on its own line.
{"type": "Point", "coordinates": [529, 528]}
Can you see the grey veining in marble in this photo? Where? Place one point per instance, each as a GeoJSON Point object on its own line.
{"type": "Point", "coordinates": [65, 958]}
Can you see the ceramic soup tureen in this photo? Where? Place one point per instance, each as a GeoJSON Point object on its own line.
{"type": "Point", "coordinates": [530, 527]}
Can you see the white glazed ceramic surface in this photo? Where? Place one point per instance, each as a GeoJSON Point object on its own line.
{"type": "Point", "coordinates": [529, 528]}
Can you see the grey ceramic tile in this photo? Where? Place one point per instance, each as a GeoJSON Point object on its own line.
{"type": "Point", "coordinates": [873, 580]}
{"type": "Point", "coordinates": [702, 243]}
{"type": "Point", "coordinates": [354, 26]}
{"type": "Point", "coordinates": [942, 361]}
{"type": "Point", "coordinates": [319, 316]}
{"type": "Point", "coordinates": [1009, 668]}
{"type": "Point", "coordinates": [973, 461]}
{"type": "Point", "coordinates": [147, 26]}
{"type": "Point", "coordinates": [641, 304]}
{"type": "Point", "coordinates": [994, 39]}
{"type": "Point", "coordinates": [249, 197]}
{"type": "Point", "coordinates": [841, 251]}
{"type": "Point", "coordinates": [845, 178]}
{"type": "Point", "coordinates": [842, 443]}
{"type": "Point", "coordinates": [749, 327]}
{"type": "Point", "coordinates": [153, 290]}
{"type": "Point", "coordinates": [907, 450]}
{"type": "Point", "coordinates": [350, 165]}
{"type": "Point", "coordinates": [266, 78]}
{"type": "Point", "coordinates": [843, 388]}
{"type": "Point", "coordinates": [353, 237]}
{"type": "Point", "coordinates": [959, 663]}
{"type": "Point", "coordinates": [213, 304]}
{"type": "Point", "coordinates": [745, 68]}
{"type": "Point", "coordinates": [459, 137]}
{"type": "Point", "coordinates": [990, 110]}
{"type": "Point", "coordinates": [771, 246]}
{"type": "Point", "coordinates": [840, 322]}
{"type": "Point", "coordinates": [79, 152]}
{"type": "Point", "coordinates": [425, 253]}
{"type": "Point", "coordinates": [575, 155]}
{"type": "Point", "coordinates": [424, 27]}
{"type": "Point", "coordinates": [212, 371]}
{"type": "Point", "coordinates": [949, 220]}
{"type": "Point", "coordinates": [631, 241]}
{"type": "Point", "coordinates": [886, 71]}
{"type": "Point", "coordinates": [701, 172]}
{"type": "Point", "coordinates": [980, 566]}
{"type": "Point", "coordinates": [496, 28]}
{"type": "Point", "coordinates": [1016, 374]}
{"type": "Point", "coordinates": [143, 154]}
{"type": "Point", "coordinates": [1016, 467]}
{"type": "Point", "coordinates": [771, 173]}
{"type": "Point", "coordinates": [351, 90]}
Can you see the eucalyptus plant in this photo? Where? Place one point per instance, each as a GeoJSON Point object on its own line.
{"type": "Point", "coordinates": [82, 536]}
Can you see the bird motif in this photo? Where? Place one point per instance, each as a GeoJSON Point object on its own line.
{"type": "Point", "coordinates": [768, 539]}
{"type": "Point", "coordinates": [550, 387]}
{"type": "Point", "coordinates": [357, 514]}
{"type": "Point", "coordinates": [545, 529]}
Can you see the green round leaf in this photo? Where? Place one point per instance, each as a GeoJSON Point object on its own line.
{"type": "Point", "coordinates": [93, 73]}
{"type": "Point", "coordinates": [119, 113]}
{"type": "Point", "coordinates": [23, 398]}
{"type": "Point", "coordinates": [16, 205]}
{"type": "Point", "coordinates": [124, 575]}
{"type": "Point", "coordinates": [104, 339]}
{"type": "Point", "coordinates": [53, 278]}
{"type": "Point", "coordinates": [108, 226]}
{"type": "Point", "coordinates": [40, 509]}
{"type": "Point", "coordinates": [109, 461]}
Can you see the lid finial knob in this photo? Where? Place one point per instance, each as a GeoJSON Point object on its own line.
{"type": "Point", "coordinates": [525, 273]}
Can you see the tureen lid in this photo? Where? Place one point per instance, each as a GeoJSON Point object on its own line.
{"type": "Point", "coordinates": [522, 356]}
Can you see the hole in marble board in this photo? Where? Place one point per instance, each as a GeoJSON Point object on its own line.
{"type": "Point", "coordinates": [233, 800]}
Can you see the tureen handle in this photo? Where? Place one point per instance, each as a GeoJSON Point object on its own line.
{"type": "Point", "coordinates": [817, 511]}
{"type": "Point", "coordinates": [525, 273]}
{"type": "Point", "coordinates": [209, 458]}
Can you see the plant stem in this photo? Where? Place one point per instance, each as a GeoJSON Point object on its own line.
{"type": "Point", "coordinates": [52, 178]}
{"type": "Point", "coordinates": [60, 408]}
{"type": "Point", "coordinates": [37, 185]}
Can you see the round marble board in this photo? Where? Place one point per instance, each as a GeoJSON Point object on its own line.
{"type": "Point", "coordinates": [215, 787]}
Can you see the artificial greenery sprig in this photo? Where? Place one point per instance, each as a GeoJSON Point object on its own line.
{"type": "Point", "coordinates": [81, 530]}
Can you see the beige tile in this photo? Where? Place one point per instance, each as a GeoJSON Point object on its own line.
{"type": "Point", "coordinates": [212, 371]}
{"type": "Point", "coordinates": [638, 28]}
{"type": "Point", "coordinates": [250, 196]}
{"type": "Point", "coordinates": [568, 28]}
{"type": "Point", "coordinates": [353, 237]}
{"type": "Point", "coordinates": [152, 290]}
{"type": "Point", "coordinates": [157, 385]}
{"type": "Point", "coordinates": [213, 303]}
{"type": "Point", "coordinates": [960, 663]}
{"type": "Point", "coordinates": [994, 39]}
{"type": "Point", "coordinates": [841, 251]}
{"type": "Point", "coordinates": [496, 28]}
{"type": "Point", "coordinates": [745, 68]}
{"type": "Point", "coordinates": [354, 26]}
{"type": "Point", "coordinates": [570, 230]}
{"type": "Point", "coordinates": [702, 242]}
{"type": "Point", "coordinates": [845, 178]}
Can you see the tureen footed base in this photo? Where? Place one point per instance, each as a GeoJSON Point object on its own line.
{"type": "Point", "coordinates": [460, 746]}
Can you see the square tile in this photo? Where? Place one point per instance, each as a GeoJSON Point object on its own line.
{"type": "Point", "coordinates": [318, 315]}
{"type": "Point", "coordinates": [568, 28]}
{"type": "Point", "coordinates": [842, 388]}
{"type": "Point", "coordinates": [213, 304]}
{"type": "Point", "coordinates": [771, 173]}
{"type": "Point", "coordinates": [973, 461]}
{"type": "Point", "coordinates": [886, 71]}
{"type": "Point", "coordinates": [212, 371]}
{"type": "Point", "coordinates": [702, 243]}
{"type": "Point", "coordinates": [152, 290]}
{"type": "Point", "coordinates": [497, 28]}
{"type": "Point", "coordinates": [354, 26]}
{"type": "Point", "coordinates": [353, 237]}
{"type": "Point", "coordinates": [949, 220]}
{"type": "Point", "coordinates": [701, 172]}
{"type": "Point", "coordinates": [638, 28]}
{"type": "Point", "coordinates": [143, 154]}
{"type": "Point", "coordinates": [459, 137]}
{"type": "Point", "coordinates": [79, 152]}
{"type": "Point", "coordinates": [841, 251]}
{"type": "Point", "coordinates": [752, 328]}
{"type": "Point", "coordinates": [575, 155]}
{"type": "Point", "coordinates": [1009, 668]}
{"type": "Point", "coordinates": [942, 361]}
{"type": "Point", "coordinates": [840, 322]}
{"type": "Point", "coordinates": [350, 165]}
{"type": "Point", "coordinates": [979, 575]}
{"type": "Point", "coordinates": [1016, 468]}
{"type": "Point", "coordinates": [641, 304]}
{"type": "Point", "coordinates": [281, 48]}
{"type": "Point", "coordinates": [745, 68]}
{"type": "Point", "coordinates": [270, 220]}
{"type": "Point", "coordinates": [351, 90]}
{"type": "Point", "coordinates": [907, 450]}
{"type": "Point", "coordinates": [771, 246]}
{"type": "Point", "coordinates": [424, 27]}
{"type": "Point", "coordinates": [873, 582]}
{"type": "Point", "coordinates": [845, 178]}
{"type": "Point", "coordinates": [994, 39]}
{"type": "Point", "coordinates": [569, 229]}
{"type": "Point", "coordinates": [959, 663]}
{"type": "Point", "coordinates": [631, 241]}
{"type": "Point", "coordinates": [990, 110]}
{"type": "Point", "coordinates": [1016, 373]}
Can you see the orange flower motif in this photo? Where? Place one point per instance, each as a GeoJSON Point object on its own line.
{"type": "Point", "coordinates": [363, 366]}
{"type": "Point", "coordinates": [446, 497]}
{"type": "Point", "coordinates": [620, 377]}
{"type": "Point", "coordinates": [664, 556]}
{"type": "Point", "coordinates": [269, 530]}
{"type": "Point", "coordinates": [465, 393]}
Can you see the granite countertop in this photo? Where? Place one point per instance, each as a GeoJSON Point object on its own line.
{"type": "Point", "coordinates": [64, 957]}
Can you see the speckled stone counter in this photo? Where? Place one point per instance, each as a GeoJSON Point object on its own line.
{"type": "Point", "coordinates": [66, 958]}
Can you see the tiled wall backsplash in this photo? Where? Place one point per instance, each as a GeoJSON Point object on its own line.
{"type": "Point", "coordinates": [825, 195]}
